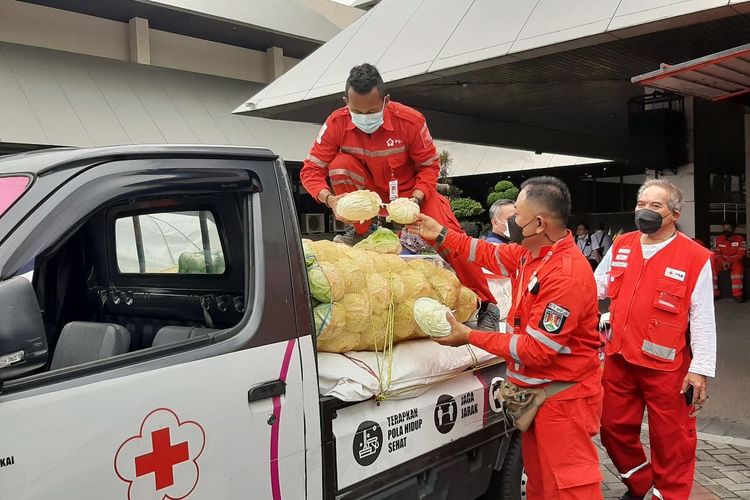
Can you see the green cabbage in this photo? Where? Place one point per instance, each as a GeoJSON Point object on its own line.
{"type": "Point", "coordinates": [402, 211]}
{"type": "Point", "coordinates": [326, 284]}
{"type": "Point", "coordinates": [430, 316]}
{"type": "Point", "coordinates": [309, 254]}
{"type": "Point", "coordinates": [382, 241]}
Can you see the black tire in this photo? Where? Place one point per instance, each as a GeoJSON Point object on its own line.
{"type": "Point", "coordinates": [509, 483]}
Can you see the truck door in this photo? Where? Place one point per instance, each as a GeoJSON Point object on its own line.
{"type": "Point", "coordinates": [173, 371]}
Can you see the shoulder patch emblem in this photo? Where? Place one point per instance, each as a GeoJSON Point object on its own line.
{"type": "Point", "coordinates": [553, 318]}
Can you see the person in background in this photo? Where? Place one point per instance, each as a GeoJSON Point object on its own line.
{"type": "Point", "coordinates": [601, 242]}
{"type": "Point", "coordinates": [730, 254]}
{"type": "Point", "coordinates": [551, 339]}
{"type": "Point", "coordinates": [661, 347]}
{"type": "Point", "coordinates": [583, 241]}
{"type": "Point", "coordinates": [500, 212]}
{"type": "Point", "coordinates": [383, 146]}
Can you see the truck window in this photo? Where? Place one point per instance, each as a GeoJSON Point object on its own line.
{"type": "Point", "coordinates": [164, 242]}
{"type": "Point", "coordinates": [11, 188]}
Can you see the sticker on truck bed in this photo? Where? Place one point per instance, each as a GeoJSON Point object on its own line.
{"type": "Point", "coordinates": [372, 438]}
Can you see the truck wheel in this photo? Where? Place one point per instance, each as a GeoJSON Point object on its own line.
{"type": "Point", "coordinates": [509, 483]}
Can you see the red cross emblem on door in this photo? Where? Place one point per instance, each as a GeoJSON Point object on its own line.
{"type": "Point", "coordinates": [161, 461]}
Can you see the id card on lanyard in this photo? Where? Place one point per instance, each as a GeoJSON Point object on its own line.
{"type": "Point", "coordinates": [393, 187]}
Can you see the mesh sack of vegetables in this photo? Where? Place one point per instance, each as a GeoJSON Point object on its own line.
{"type": "Point", "coordinates": [381, 241]}
{"type": "Point", "coordinates": [355, 278]}
{"type": "Point", "coordinates": [404, 326]}
{"type": "Point", "coordinates": [467, 305]}
{"type": "Point", "coordinates": [445, 286]}
{"type": "Point", "coordinates": [358, 206]}
{"type": "Point", "coordinates": [357, 311]}
{"type": "Point", "coordinates": [326, 283]}
{"type": "Point", "coordinates": [393, 263]}
{"type": "Point", "coordinates": [416, 283]}
{"type": "Point", "coordinates": [325, 251]}
{"type": "Point", "coordinates": [308, 252]}
{"type": "Point", "coordinates": [378, 289]}
{"type": "Point", "coordinates": [330, 327]}
{"type": "Point", "coordinates": [373, 338]}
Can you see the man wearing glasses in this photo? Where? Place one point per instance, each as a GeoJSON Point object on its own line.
{"type": "Point", "coordinates": [661, 347]}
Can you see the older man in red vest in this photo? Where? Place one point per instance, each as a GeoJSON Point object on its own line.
{"type": "Point", "coordinates": [662, 346]}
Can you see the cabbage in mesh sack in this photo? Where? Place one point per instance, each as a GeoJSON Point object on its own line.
{"type": "Point", "coordinates": [358, 206]}
{"type": "Point", "coordinates": [326, 284]}
{"type": "Point", "coordinates": [357, 311]}
{"type": "Point", "coordinates": [416, 284]}
{"type": "Point", "coordinates": [404, 326]}
{"type": "Point", "coordinates": [445, 287]}
{"type": "Point", "coordinates": [466, 307]}
{"type": "Point", "coordinates": [309, 254]}
{"type": "Point", "coordinates": [330, 325]}
{"type": "Point", "coordinates": [325, 251]}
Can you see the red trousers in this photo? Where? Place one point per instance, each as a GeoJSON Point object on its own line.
{"type": "Point", "coordinates": [628, 388]}
{"type": "Point", "coordinates": [560, 459]}
{"type": "Point", "coordinates": [736, 272]}
{"type": "Point", "coordinates": [347, 174]}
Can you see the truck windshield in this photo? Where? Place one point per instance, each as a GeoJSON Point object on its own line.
{"type": "Point", "coordinates": [11, 188]}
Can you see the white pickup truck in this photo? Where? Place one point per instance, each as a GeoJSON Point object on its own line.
{"type": "Point", "coordinates": [184, 365]}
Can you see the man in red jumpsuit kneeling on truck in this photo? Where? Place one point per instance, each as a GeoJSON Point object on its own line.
{"type": "Point", "coordinates": [551, 339]}
{"type": "Point", "coordinates": [376, 144]}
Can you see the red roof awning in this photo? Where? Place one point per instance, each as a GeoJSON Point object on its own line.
{"type": "Point", "coordinates": [715, 77]}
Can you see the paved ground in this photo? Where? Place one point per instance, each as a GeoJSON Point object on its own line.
{"type": "Point", "coordinates": [728, 409]}
{"type": "Point", "coordinates": [722, 470]}
{"type": "Point", "coordinates": [723, 467]}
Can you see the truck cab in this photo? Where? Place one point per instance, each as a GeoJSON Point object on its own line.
{"type": "Point", "coordinates": [157, 341]}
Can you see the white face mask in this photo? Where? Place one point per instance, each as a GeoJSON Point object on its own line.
{"type": "Point", "coordinates": [368, 123]}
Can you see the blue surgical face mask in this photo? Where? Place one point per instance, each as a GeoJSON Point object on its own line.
{"type": "Point", "coordinates": [368, 123]}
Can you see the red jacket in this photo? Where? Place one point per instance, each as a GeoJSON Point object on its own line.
{"type": "Point", "coordinates": [401, 147]}
{"type": "Point", "coordinates": [553, 319]}
{"type": "Point", "coordinates": [730, 249]}
{"type": "Point", "coordinates": [650, 305]}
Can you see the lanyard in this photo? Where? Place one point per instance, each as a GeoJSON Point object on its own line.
{"type": "Point", "coordinates": [521, 291]}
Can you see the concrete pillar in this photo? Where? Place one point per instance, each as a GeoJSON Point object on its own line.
{"type": "Point", "coordinates": [275, 63]}
{"type": "Point", "coordinates": [140, 46]}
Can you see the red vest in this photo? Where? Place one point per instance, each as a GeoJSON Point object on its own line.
{"type": "Point", "coordinates": [650, 305]}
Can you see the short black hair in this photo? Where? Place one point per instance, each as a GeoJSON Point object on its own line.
{"type": "Point", "coordinates": [364, 78]}
{"type": "Point", "coordinates": [551, 193]}
{"type": "Point", "coordinates": [585, 226]}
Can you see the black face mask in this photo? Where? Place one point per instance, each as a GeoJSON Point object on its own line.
{"type": "Point", "coordinates": [516, 231]}
{"type": "Point", "coordinates": [728, 234]}
{"type": "Point", "coordinates": [648, 221]}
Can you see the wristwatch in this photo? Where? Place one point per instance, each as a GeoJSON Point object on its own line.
{"type": "Point", "coordinates": [416, 200]}
{"type": "Point", "coordinates": [441, 237]}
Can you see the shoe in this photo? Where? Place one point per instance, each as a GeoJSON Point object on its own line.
{"type": "Point", "coordinates": [628, 496]}
{"type": "Point", "coordinates": [488, 317]}
{"type": "Point", "coordinates": [350, 237]}
{"type": "Point", "coordinates": [739, 299]}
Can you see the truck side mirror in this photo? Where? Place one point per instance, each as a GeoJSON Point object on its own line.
{"type": "Point", "coordinates": [23, 341]}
